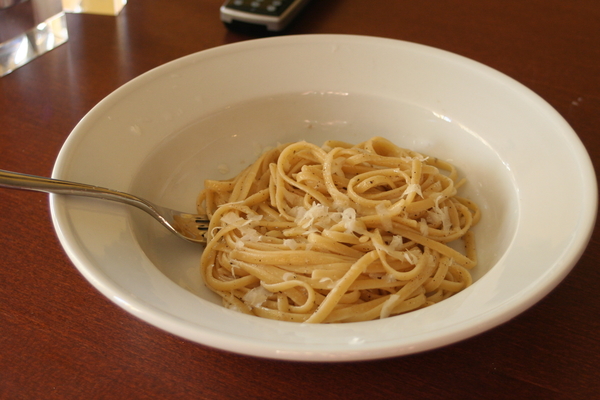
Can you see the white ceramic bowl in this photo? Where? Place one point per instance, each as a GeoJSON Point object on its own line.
{"type": "Point", "coordinates": [163, 133]}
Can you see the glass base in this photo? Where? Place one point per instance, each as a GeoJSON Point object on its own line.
{"type": "Point", "coordinates": [25, 47]}
{"type": "Point", "coordinates": [104, 7]}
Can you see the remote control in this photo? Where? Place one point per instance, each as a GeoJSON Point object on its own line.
{"type": "Point", "coordinates": [269, 15]}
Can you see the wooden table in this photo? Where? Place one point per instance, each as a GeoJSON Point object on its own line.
{"type": "Point", "coordinates": [59, 338]}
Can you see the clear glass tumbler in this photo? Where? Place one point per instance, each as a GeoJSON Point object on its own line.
{"type": "Point", "coordinates": [28, 29]}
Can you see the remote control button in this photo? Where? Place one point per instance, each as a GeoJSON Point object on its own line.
{"type": "Point", "coordinates": [269, 7]}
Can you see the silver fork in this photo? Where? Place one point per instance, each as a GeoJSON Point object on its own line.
{"type": "Point", "coordinates": [190, 227]}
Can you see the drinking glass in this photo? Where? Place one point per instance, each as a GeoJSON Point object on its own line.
{"type": "Point", "coordinates": [28, 29]}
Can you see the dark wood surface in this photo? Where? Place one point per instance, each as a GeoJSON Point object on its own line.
{"type": "Point", "coordinates": [59, 338]}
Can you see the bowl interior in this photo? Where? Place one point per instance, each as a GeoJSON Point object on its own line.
{"type": "Point", "coordinates": [220, 145]}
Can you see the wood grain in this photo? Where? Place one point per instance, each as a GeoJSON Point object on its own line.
{"type": "Point", "coordinates": [60, 339]}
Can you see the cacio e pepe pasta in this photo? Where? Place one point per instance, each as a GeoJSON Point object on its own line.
{"type": "Point", "coordinates": [338, 233]}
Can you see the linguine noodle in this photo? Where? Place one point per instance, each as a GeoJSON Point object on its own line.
{"type": "Point", "coordinates": [338, 233]}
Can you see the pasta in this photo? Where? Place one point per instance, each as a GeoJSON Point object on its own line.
{"type": "Point", "coordinates": [338, 233]}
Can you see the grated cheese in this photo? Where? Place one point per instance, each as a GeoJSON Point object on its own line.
{"type": "Point", "coordinates": [349, 220]}
{"type": "Point", "coordinates": [256, 297]}
{"type": "Point", "coordinates": [396, 242]}
{"type": "Point", "coordinates": [411, 257]}
{"type": "Point", "coordinates": [250, 234]}
{"type": "Point", "coordinates": [386, 217]}
{"type": "Point", "coordinates": [413, 187]}
{"type": "Point", "coordinates": [310, 217]}
{"type": "Point", "coordinates": [291, 243]}
{"type": "Point", "coordinates": [443, 213]}
{"type": "Point", "coordinates": [232, 218]}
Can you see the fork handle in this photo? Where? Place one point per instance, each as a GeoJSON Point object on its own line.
{"type": "Point", "coordinates": [167, 217]}
{"type": "Point", "coordinates": [15, 180]}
